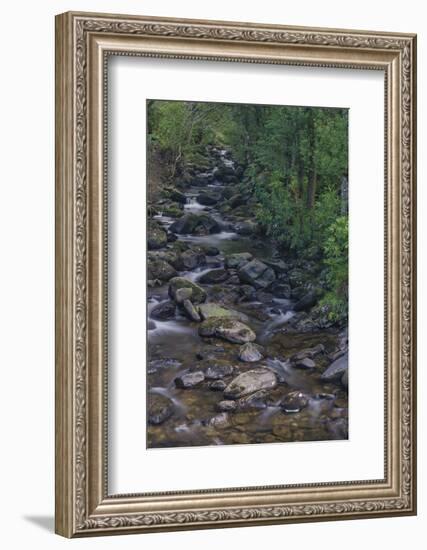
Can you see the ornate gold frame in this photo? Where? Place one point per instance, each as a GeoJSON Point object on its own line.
{"type": "Point", "coordinates": [83, 41]}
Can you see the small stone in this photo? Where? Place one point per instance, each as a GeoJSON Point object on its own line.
{"type": "Point", "coordinates": [226, 405]}
{"type": "Point", "coordinates": [250, 352]}
{"type": "Point", "coordinates": [160, 408]}
{"type": "Point", "coordinates": [163, 311]}
{"type": "Point", "coordinates": [294, 402]}
{"type": "Point", "coordinates": [255, 400]}
{"type": "Point", "coordinates": [189, 380]}
{"type": "Point", "coordinates": [221, 420]}
{"type": "Point", "coordinates": [218, 370]}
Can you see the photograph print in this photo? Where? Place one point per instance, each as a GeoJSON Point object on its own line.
{"type": "Point", "coordinates": [247, 273]}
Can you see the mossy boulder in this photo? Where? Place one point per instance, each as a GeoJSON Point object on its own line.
{"type": "Point", "coordinates": [156, 236]}
{"type": "Point", "coordinates": [160, 269]}
{"type": "Point", "coordinates": [227, 328]}
{"type": "Point", "coordinates": [197, 224]}
{"type": "Point", "coordinates": [198, 294]}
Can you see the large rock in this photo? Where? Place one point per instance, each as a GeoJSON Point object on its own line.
{"type": "Point", "coordinates": [336, 370]}
{"type": "Point", "coordinates": [251, 381]}
{"type": "Point", "coordinates": [160, 408]}
{"type": "Point", "coordinates": [208, 199]}
{"type": "Point", "coordinates": [156, 236]}
{"type": "Point", "coordinates": [236, 261]}
{"type": "Point", "coordinates": [250, 352]}
{"type": "Point", "coordinates": [160, 269]}
{"type": "Point", "coordinates": [307, 301]}
{"type": "Point", "coordinates": [163, 311]}
{"type": "Point", "coordinates": [175, 195]}
{"type": "Point", "coordinates": [192, 258]}
{"type": "Point", "coordinates": [214, 276]}
{"type": "Point", "coordinates": [189, 380]}
{"type": "Point", "coordinates": [280, 289]}
{"type": "Point", "coordinates": [207, 311]}
{"type": "Point", "coordinates": [228, 329]}
{"type": "Point", "coordinates": [197, 296]}
{"type": "Point", "coordinates": [198, 224]}
{"type": "Point", "coordinates": [257, 274]}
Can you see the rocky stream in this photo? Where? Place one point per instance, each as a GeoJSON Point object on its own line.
{"type": "Point", "coordinates": [238, 352]}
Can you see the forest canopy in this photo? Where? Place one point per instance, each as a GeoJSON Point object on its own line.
{"type": "Point", "coordinates": [294, 171]}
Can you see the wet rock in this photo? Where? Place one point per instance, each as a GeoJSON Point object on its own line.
{"type": "Point", "coordinates": [183, 294]}
{"type": "Point", "coordinates": [228, 329]}
{"type": "Point", "coordinates": [280, 289]}
{"type": "Point", "coordinates": [255, 401]}
{"type": "Point", "coordinates": [160, 408]}
{"type": "Point", "coordinates": [164, 311]}
{"type": "Point", "coordinates": [310, 352]}
{"type": "Point", "coordinates": [294, 402]}
{"type": "Point", "coordinates": [214, 276]}
{"type": "Point", "coordinates": [175, 195]}
{"type": "Point", "coordinates": [305, 364]}
{"type": "Point", "coordinates": [191, 311]}
{"type": "Point", "coordinates": [160, 269]}
{"type": "Point", "coordinates": [336, 370]}
{"type": "Point", "coordinates": [218, 369]}
{"type": "Point", "coordinates": [250, 382]}
{"type": "Point", "coordinates": [250, 352]}
{"type": "Point", "coordinates": [211, 250]}
{"type": "Point", "coordinates": [191, 258]}
{"type": "Point", "coordinates": [221, 420]}
{"type": "Point", "coordinates": [344, 379]}
{"type": "Point", "coordinates": [198, 294]}
{"type": "Point", "coordinates": [238, 260]}
{"type": "Point", "coordinates": [279, 266]}
{"type": "Point", "coordinates": [208, 199]}
{"type": "Point", "coordinates": [189, 380]}
{"type": "Point", "coordinates": [227, 405]}
{"type": "Point", "coordinates": [217, 385]}
{"type": "Point", "coordinates": [156, 236]}
{"type": "Point", "coordinates": [151, 325]}
{"type": "Point", "coordinates": [198, 224]}
{"type": "Point", "coordinates": [207, 311]}
{"type": "Point", "coordinates": [308, 300]}
{"type": "Point", "coordinates": [257, 274]}
{"type": "Point", "coordinates": [247, 293]}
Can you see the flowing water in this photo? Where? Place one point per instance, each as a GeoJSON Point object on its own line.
{"type": "Point", "coordinates": [175, 348]}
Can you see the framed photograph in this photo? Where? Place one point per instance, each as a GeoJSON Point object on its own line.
{"type": "Point", "coordinates": [235, 274]}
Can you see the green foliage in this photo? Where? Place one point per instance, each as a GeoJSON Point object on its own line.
{"type": "Point", "coordinates": [294, 160]}
{"type": "Point", "coordinates": [336, 260]}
